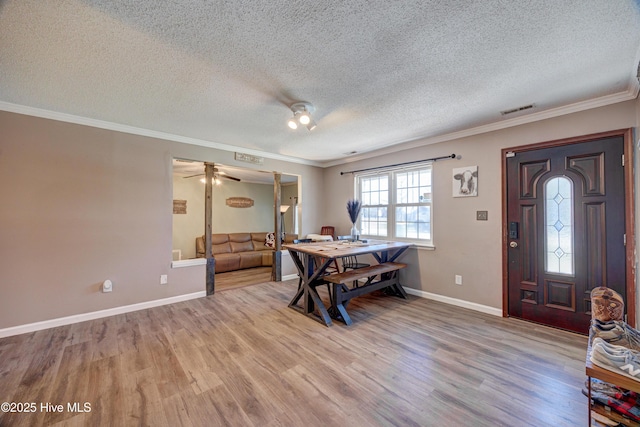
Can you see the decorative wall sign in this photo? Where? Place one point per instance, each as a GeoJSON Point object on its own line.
{"type": "Point", "coordinates": [179, 206]}
{"type": "Point", "coordinates": [239, 202]}
{"type": "Point", "coordinates": [465, 181]}
{"type": "Point", "coordinates": [256, 160]}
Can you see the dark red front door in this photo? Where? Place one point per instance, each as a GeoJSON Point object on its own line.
{"type": "Point", "coordinates": [566, 230]}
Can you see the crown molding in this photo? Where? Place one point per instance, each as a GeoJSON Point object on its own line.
{"type": "Point", "coordinates": [631, 93]}
{"type": "Point", "coordinates": [102, 124]}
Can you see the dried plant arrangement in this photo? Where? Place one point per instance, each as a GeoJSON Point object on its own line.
{"type": "Point", "coordinates": [353, 208]}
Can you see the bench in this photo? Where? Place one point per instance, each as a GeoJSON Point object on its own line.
{"type": "Point", "coordinates": [342, 293]}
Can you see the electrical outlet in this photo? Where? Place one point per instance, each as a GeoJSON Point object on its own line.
{"type": "Point", "coordinates": [458, 279]}
{"type": "Point", "coordinates": [163, 279]}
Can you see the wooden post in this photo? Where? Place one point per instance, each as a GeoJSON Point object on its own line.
{"type": "Point", "coordinates": [208, 219]}
{"type": "Point", "coordinates": [276, 270]}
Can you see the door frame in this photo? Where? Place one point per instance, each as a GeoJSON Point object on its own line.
{"type": "Point", "coordinates": [629, 204]}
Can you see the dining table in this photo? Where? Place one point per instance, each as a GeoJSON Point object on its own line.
{"type": "Point", "coordinates": [313, 259]}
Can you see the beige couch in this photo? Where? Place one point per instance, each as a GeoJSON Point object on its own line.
{"type": "Point", "coordinates": [237, 251]}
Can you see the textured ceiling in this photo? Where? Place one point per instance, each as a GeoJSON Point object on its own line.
{"type": "Point", "coordinates": [378, 72]}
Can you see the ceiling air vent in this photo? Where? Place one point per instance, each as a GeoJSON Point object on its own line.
{"type": "Point", "coordinates": [517, 110]}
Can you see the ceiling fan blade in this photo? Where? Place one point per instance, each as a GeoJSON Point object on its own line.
{"type": "Point", "coordinates": [219, 173]}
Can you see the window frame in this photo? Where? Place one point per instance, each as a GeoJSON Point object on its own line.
{"type": "Point", "coordinates": [391, 226]}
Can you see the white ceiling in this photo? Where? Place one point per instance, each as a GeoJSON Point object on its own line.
{"type": "Point", "coordinates": [379, 72]}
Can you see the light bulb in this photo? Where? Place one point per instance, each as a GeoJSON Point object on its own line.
{"type": "Point", "coordinates": [304, 118]}
{"type": "Point", "coordinates": [292, 123]}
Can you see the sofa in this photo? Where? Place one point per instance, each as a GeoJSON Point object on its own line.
{"type": "Point", "coordinates": [237, 251]}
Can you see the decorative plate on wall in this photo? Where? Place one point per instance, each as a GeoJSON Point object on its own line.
{"type": "Point", "coordinates": [239, 202]}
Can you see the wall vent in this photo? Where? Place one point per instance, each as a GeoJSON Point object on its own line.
{"type": "Point", "coordinates": [517, 110]}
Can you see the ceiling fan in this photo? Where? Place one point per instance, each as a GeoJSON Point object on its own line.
{"type": "Point", "coordinates": [217, 174]}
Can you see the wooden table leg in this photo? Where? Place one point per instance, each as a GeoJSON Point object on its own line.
{"type": "Point", "coordinates": [310, 298]}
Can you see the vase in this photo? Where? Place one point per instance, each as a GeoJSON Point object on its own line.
{"type": "Point", "coordinates": [355, 234]}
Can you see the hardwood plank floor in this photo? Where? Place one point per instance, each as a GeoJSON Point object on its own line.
{"type": "Point", "coordinates": [243, 358]}
{"type": "Point", "coordinates": [241, 278]}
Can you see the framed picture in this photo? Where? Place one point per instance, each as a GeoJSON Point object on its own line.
{"type": "Point", "coordinates": [465, 181]}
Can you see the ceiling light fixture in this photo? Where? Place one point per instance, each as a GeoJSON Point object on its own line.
{"type": "Point", "coordinates": [293, 122]}
{"type": "Point", "coordinates": [215, 180]}
{"type": "Point", "coordinates": [302, 116]}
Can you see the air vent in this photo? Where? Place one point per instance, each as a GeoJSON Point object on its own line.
{"type": "Point", "coordinates": [517, 110]}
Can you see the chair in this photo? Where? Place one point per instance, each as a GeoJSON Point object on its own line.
{"type": "Point", "coordinates": [328, 230]}
{"type": "Point", "coordinates": [351, 262]}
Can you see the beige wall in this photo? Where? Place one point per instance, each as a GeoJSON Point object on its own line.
{"type": "Point", "coordinates": [464, 246]}
{"type": "Point", "coordinates": [288, 191]}
{"type": "Point", "coordinates": [187, 226]}
{"type": "Point", "coordinates": [82, 204]}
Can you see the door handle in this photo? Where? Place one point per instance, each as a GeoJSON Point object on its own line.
{"type": "Point", "coordinates": [513, 244]}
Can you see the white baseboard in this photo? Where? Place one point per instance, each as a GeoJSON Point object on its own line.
{"type": "Point", "coordinates": [62, 321]}
{"type": "Point", "coordinates": [289, 277]}
{"type": "Point", "coordinates": [454, 301]}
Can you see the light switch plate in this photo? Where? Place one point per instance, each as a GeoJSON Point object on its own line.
{"type": "Point", "coordinates": [482, 215]}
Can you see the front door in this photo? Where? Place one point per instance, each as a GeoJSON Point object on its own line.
{"type": "Point", "coordinates": [565, 229]}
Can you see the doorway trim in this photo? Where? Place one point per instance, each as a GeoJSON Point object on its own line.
{"type": "Point", "coordinates": [629, 204]}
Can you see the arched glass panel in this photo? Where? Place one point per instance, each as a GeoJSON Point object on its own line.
{"type": "Point", "coordinates": [559, 225]}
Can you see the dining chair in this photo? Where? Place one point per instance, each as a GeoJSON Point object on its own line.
{"type": "Point", "coordinates": [328, 230]}
{"type": "Point", "coordinates": [351, 262]}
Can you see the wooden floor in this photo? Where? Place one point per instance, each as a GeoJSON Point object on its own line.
{"type": "Point", "coordinates": [241, 278]}
{"type": "Point", "coordinates": [243, 358]}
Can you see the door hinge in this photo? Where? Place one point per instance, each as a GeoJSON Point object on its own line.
{"type": "Point", "coordinates": [510, 154]}
{"type": "Point", "coordinates": [623, 160]}
{"type": "Point", "coordinates": [624, 239]}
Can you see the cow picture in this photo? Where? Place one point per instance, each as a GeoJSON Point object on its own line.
{"type": "Point", "coordinates": [465, 181]}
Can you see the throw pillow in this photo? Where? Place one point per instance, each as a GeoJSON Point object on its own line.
{"type": "Point", "coordinates": [270, 240]}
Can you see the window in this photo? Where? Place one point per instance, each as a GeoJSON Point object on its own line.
{"type": "Point", "coordinates": [558, 218]}
{"type": "Point", "coordinates": [396, 204]}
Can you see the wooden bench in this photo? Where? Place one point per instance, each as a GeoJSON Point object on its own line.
{"type": "Point", "coordinates": [342, 293]}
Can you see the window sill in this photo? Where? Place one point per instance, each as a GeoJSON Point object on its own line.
{"type": "Point", "coordinates": [188, 262]}
{"type": "Point", "coordinates": [416, 245]}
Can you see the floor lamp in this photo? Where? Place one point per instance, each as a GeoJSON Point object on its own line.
{"type": "Point", "coordinates": [283, 210]}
